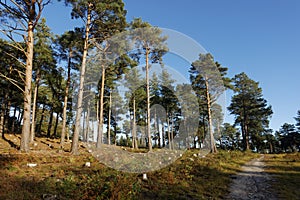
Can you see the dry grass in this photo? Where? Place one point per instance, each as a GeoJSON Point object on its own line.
{"type": "Point", "coordinates": [67, 177]}
{"type": "Point", "coordinates": [285, 169]}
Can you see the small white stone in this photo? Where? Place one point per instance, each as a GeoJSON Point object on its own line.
{"type": "Point", "coordinates": [31, 164]}
{"type": "Point", "coordinates": [87, 164]}
{"type": "Point", "coordinates": [145, 177]}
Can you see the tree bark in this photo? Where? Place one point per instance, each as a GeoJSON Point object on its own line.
{"type": "Point", "coordinates": [134, 136]}
{"type": "Point", "coordinates": [213, 148]}
{"type": "Point", "coordinates": [109, 116]}
{"type": "Point", "coordinates": [56, 124]}
{"type": "Point", "coordinates": [39, 127]}
{"type": "Point", "coordinates": [2, 118]}
{"type": "Point", "coordinates": [24, 145]}
{"type": "Point", "coordinates": [74, 147]}
{"type": "Point", "coordinates": [64, 120]}
{"type": "Point", "coordinates": [50, 123]}
{"type": "Point", "coordinates": [36, 87]}
{"type": "Point", "coordinates": [158, 131]}
{"type": "Point", "coordinates": [148, 101]}
{"type": "Point", "coordinates": [169, 135]}
{"type": "Point", "coordinates": [87, 123]}
{"type": "Point", "coordinates": [101, 97]}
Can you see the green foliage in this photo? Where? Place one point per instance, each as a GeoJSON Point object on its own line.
{"type": "Point", "coordinates": [297, 118]}
{"type": "Point", "coordinates": [250, 109]}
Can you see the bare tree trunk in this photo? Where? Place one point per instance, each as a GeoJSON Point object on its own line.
{"type": "Point", "coordinates": [169, 136]}
{"type": "Point", "coordinates": [109, 116]}
{"type": "Point", "coordinates": [158, 131]}
{"type": "Point", "coordinates": [163, 136]}
{"type": "Point", "coordinates": [39, 127]}
{"type": "Point", "coordinates": [213, 147]}
{"type": "Point", "coordinates": [83, 131]}
{"type": "Point", "coordinates": [87, 123]}
{"type": "Point", "coordinates": [74, 147]}
{"type": "Point", "coordinates": [50, 123]}
{"type": "Point", "coordinates": [36, 87]}
{"type": "Point", "coordinates": [172, 133]}
{"type": "Point", "coordinates": [24, 145]}
{"type": "Point", "coordinates": [2, 118]}
{"type": "Point", "coordinates": [63, 129]}
{"type": "Point", "coordinates": [56, 124]}
{"type": "Point", "coordinates": [148, 101]}
{"type": "Point", "coordinates": [134, 135]}
{"type": "Point", "coordinates": [14, 121]}
{"type": "Point", "coordinates": [155, 128]}
{"type": "Point", "coordinates": [101, 97]}
{"type": "Point", "coordinates": [20, 116]}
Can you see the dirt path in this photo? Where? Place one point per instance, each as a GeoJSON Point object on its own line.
{"type": "Point", "coordinates": [252, 182]}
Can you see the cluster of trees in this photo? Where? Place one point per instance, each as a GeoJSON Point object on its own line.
{"type": "Point", "coordinates": [41, 71]}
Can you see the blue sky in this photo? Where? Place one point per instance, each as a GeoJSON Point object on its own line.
{"type": "Point", "coordinates": [258, 37]}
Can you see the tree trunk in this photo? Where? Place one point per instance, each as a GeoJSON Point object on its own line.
{"type": "Point", "coordinates": [172, 132]}
{"type": "Point", "coordinates": [74, 147]}
{"type": "Point", "coordinates": [163, 136]}
{"type": "Point", "coordinates": [148, 101]}
{"type": "Point", "coordinates": [213, 148]}
{"type": "Point", "coordinates": [24, 145]}
{"type": "Point", "coordinates": [134, 135]}
{"type": "Point", "coordinates": [109, 116]}
{"type": "Point", "coordinates": [101, 97]}
{"type": "Point", "coordinates": [13, 121]}
{"type": "Point", "coordinates": [2, 118]}
{"type": "Point", "coordinates": [50, 123]}
{"type": "Point", "coordinates": [56, 124]}
{"type": "Point", "coordinates": [87, 123]}
{"type": "Point", "coordinates": [158, 132]}
{"type": "Point", "coordinates": [169, 136]}
{"type": "Point", "coordinates": [36, 87]}
{"type": "Point", "coordinates": [247, 138]}
{"type": "Point", "coordinates": [64, 120]}
{"type": "Point", "coordinates": [39, 127]}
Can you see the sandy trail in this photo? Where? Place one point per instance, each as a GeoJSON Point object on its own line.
{"type": "Point", "coordinates": [252, 182]}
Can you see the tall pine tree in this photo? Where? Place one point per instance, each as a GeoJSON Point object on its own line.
{"type": "Point", "coordinates": [251, 110]}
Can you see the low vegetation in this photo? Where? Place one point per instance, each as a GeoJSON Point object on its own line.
{"type": "Point", "coordinates": [285, 169]}
{"type": "Point", "coordinates": [65, 176]}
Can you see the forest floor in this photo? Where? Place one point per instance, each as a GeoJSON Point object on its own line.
{"type": "Point", "coordinates": [47, 173]}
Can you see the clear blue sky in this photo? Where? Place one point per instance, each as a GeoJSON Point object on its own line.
{"type": "Point", "coordinates": [258, 37]}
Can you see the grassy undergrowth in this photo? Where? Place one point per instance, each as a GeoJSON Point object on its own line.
{"type": "Point", "coordinates": [285, 169]}
{"type": "Point", "coordinates": [67, 177]}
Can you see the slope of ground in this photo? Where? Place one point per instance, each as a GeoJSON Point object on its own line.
{"type": "Point", "coordinates": [46, 173]}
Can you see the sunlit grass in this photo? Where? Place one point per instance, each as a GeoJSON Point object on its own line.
{"type": "Point", "coordinates": [285, 169]}
{"type": "Point", "coordinates": [65, 175]}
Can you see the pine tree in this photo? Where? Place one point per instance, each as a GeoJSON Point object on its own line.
{"type": "Point", "coordinates": [20, 18]}
{"type": "Point", "coordinates": [69, 49]}
{"type": "Point", "coordinates": [102, 19]}
{"type": "Point", "coordinates": [250, 108]}
{"type": "Point", "coordinates": [297, 118]}
{"type": "Point", "coordinates": [43, 62]}
{"type": "Point", "coordinates": [151, 46]}
{"type": "Point", "coordinates": [133, 81]}
{"type": "Point", "coordinates": [209, 81]}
